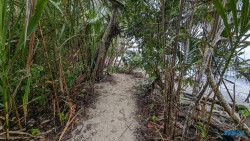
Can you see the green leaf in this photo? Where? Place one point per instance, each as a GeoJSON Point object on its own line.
{"type": "Point", "coordinates": [234, 12]}
{"type": "Point", "coordinates": [243, 110]}
{"type": "Point", "coordinates": [154, 118]}
{"type": "Point", "coordinates": [61, 33]}
{"type": "Point", "coordinates": [221, 10]}
{"type": "Point", "coordinates": [26, 96]}
{"type": "Point", "coordinates": [209, 17]}
{"type": "Point", "coordinates": [151, 106]}
{"type": "Point", "coordinates": [56, 4]}
{"type": "Point", "coordinates": [238, 76]}
{"type": "Point", "coordinates": [244, 19]}
{"type": "Point", "coordinates": [244, 69]}
{"type": "Point", "coordinates": [240, 53]}
{"type": "Point", "coordinates": [37, 15]}
{"type": "Point", "coordinates": [31, 26]}
{"type": "Point", "coordinates": [35, 131]}
{"type": "Point", "coordinates": [3, 31]}
{"type": "Point", "coordinates": [1, 22]}
{"type": "Point", "coordinates": [63, 116]}
{"type": "Point", "coordinates": [181, 96]}
{"type": "Point", "coordinates": [246, 113]}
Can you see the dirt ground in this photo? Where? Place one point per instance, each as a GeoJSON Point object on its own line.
{"type": "Point", "coordinates": [112, 116]}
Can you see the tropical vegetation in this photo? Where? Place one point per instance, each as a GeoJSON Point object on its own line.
{"type": "Point", "coordinates": [48, 47]}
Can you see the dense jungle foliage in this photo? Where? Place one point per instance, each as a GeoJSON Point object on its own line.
{"type": "Point", "coordinates": [49, 47]}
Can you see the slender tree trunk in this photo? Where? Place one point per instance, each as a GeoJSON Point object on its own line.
{"type": "Point", "coordinates": [170, 90]}
{"type": "Point", "coordinates": [164, 87]}
{"type": "Point", "coordinates": [186, 50]}
{"type": "Point", "coordinates": [206, 56]}
{"type": "Point", "coordinates": [104, 44]}
{"type": "Point", "coordinates": [213, 37]}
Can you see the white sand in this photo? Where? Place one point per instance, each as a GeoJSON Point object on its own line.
{"type": "Point", "coordinates": [112, 118]}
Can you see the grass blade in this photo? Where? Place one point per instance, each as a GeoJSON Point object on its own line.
{"type": "Point", "coordinates": [234, 12]}
{"type": "Point", "coordinates": [32, 24]}
{"type": "Point", "coordinates": [244, 16]}
{"type": "Point", "coordinates": [221, 10]}
{"type": "Point", "coordinates": [37, 15]}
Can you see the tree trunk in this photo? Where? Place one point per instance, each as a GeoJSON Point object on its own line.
{"type": "Point", "coordinates": [214, 37]}
{"type": "Point", "coordinates": [103, 45]}
{"type": "Point", "coordinates": [224, 104]}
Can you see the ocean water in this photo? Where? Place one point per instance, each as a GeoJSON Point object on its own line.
{"type": "Point", "coordinates": [246, 51]}
{"type": "Point", "coordinates": [241, 86]}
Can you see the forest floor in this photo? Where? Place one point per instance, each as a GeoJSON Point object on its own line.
{"type": "Point", "coordinates": [112, 117]}
{"type": "Point", "coordinates": [120, 110]}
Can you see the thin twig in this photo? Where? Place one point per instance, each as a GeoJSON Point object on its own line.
{"type": "Point", "coordinates": [158, 131]}
{"type": "Point", "coordinates": [69, 123]}
{"type": "Point", "coordinates": [124, 131]}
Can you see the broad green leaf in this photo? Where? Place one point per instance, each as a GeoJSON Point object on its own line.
{"type": "Point", "coordinates": [32, 24]}
{"type": "Point", "coordinates": [37, 15]}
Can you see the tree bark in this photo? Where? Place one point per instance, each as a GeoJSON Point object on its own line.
{"type": "Point", "coordinates": [103, 45]}
{"type": "Point", "coordinates": [224, 104]}
{"type": "Point", "coordinates": [213, 39]}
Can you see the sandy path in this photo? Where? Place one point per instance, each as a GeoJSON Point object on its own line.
{"type": "Point", "coordinates": [111, 118]}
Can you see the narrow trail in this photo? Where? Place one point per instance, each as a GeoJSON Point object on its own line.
{"type": "Point", "coordinates": [112, 117]}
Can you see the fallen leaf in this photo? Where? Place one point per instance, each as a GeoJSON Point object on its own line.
{"type": "Point", "coordinates": [150, 125]}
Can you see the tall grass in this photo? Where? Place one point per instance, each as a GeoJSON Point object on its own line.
{"type": "Point", "coordinates": [7, 32]}
{"type": "Point", "coordinates": [61, 47]}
